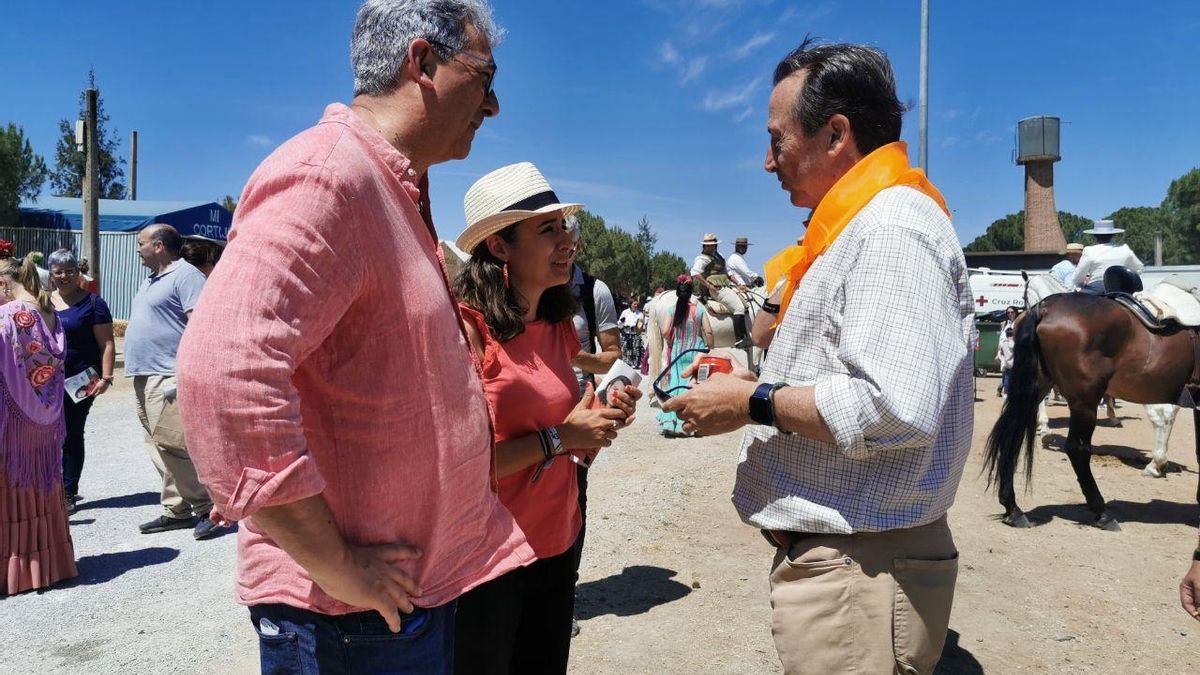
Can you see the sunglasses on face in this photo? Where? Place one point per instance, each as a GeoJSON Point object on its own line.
{"type": "Point", "coordinates": [488, 76]}
{"type": "Point", "coordinates": [665, 394]}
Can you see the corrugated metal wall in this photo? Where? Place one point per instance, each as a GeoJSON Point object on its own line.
{"type": "Point", "coordinates": [122, 269]}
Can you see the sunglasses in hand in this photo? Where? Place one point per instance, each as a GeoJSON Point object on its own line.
{"type": "Point", "coordinates": [665, 394]}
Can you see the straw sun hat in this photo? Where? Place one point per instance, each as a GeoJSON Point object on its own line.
{"type": "Point", "coordinates": [505, 196]}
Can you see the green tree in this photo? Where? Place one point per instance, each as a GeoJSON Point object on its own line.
{"type": "Point", "coordinates": [645, 237]}
{"type": "Point", "coordinates": [1008, 233]}
{"type": "Point", "coordinates": [1181, 209]}
{"type": "Point", "coordinates": [22, 173]}
{"type": "Point", "coordinates": [664, 268]}
{"type": "Point", "coordinates": [229, 203]}
{"type": "Point", "coordinates": [70, 164]}
{"type": "Point", "coordinates": [1141, 224]}
{"type": "Point", "coordinates": [626, 262]}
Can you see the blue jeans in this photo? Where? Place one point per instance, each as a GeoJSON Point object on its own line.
{"type": "Point", "coordinates": [292, 641]}
{"type": "Point", "coordinates": [1005, 377]}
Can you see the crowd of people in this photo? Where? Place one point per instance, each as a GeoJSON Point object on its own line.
{"type": "Point", "coordinates": [58, 355]}
{"type": "Point", "coordinates": [422, 508]}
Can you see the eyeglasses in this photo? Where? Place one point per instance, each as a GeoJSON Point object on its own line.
{"type": "Point", "coordinates": [64, 273]}
{"type": "Point", "coordinates": [665, 394]}
{"type": "Point", "coordinates": [487, 76]}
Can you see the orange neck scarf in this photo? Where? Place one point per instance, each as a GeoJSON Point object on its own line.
{"type": "Point", "coordinates": [884, 168]}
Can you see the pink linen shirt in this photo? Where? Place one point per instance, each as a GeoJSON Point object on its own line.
{"type": "Point", "coordinates": [326, 357]}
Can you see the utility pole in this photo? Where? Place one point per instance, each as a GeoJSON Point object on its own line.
{"type": "Point", "coordinates": [91, 188]}
{"type": "Point", "coordinates": [133, 166]}
{"type": "Point", "coordinates": [924, 112]}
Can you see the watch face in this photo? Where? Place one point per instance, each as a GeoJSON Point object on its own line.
{"type": "Point", "coordinates": [760, 405]}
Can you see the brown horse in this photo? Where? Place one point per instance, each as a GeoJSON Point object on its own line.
{"type": "Point", "coordinates": [1085, 346]}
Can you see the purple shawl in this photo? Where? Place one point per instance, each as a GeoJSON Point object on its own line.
{"type": "Point", "coordinates": [31, 395]}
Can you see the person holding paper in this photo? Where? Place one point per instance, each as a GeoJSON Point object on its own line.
{"type": "Point", "coordinates": [518, 314]}
{"type": "Point", "coordinates": [91, 350]}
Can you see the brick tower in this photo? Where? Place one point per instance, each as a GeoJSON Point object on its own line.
{"type": "Point", "coordinates": [1037, 150]}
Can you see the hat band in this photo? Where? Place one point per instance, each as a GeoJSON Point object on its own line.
{"type": "Point", "coordinates": [534, 202]}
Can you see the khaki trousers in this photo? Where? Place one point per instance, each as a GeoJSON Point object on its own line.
{"type": "Point", "coordinates": [729, 297]}
{"type": "Point", "coordinates": [864, 603]}
{"type": "Point", "coordinates": [182, 494]}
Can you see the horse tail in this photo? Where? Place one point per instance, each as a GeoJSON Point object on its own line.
{"type": "Point", "coordinates": [1018, 419]}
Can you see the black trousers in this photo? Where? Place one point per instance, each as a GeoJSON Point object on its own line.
{"type": "Point", "coordinates": [519, 623]}
{"type": "Point", "coordinates": [75, 415]}
{"type": "Point", "coordinates": [577, 549]}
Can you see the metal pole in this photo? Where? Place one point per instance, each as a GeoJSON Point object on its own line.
{"type": "Point", "coordinates": [1158, 249]}
{"type": "Point", "coordinates": [133, 166]}
{"type": "Point", "coordinates": [91, 188]}
{"type": "Point", "coordinates": [924, 112]}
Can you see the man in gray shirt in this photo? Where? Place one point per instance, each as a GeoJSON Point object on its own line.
{"type": "Point", "coordinates": [159, 317]}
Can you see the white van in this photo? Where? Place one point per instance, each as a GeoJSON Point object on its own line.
{"type": "Point", "coordinates": [995, 290]}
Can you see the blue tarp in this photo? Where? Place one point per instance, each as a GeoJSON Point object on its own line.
{"type": "Point", "coordinates": [203, 219]}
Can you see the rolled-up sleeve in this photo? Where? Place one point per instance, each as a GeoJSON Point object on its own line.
{"type": "Point", "coordinates": [902, 343]}
{"type": "Point", "coordinates": [287, 277]}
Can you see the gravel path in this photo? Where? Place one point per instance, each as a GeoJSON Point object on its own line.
{"type": "Point", "coordinates": [672, 582]}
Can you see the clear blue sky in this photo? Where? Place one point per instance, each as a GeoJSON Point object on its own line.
{"type": "Point", "coordinates": [638, 107]}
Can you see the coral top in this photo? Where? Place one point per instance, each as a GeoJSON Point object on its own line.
{"type": "Point", "coordinates": [530, 386]}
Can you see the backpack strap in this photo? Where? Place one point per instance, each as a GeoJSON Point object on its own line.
{"type": "Point", "coordinates": [587, 296]}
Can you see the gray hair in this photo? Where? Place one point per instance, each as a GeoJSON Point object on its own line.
{"type": "Point", "coordinates": [63, 258]}
{"type": "Point", "coordinates": [385, 28]}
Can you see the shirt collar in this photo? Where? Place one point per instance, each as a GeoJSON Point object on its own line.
{"type": "Point", "coordinates": [170, 268]}
{"type": "Point", "coordinates": [400, 165]}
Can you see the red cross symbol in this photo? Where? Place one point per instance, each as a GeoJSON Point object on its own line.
{"type": "Point", "coordinates": [982, 301]}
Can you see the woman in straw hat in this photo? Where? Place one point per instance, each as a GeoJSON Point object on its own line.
{"type": "Point", "coordinates": [517, 310]}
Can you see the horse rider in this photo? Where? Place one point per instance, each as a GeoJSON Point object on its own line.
{"type": "Point", "coordinates": [1097, 258]}
{"type": "Point", "coordinates": [1064, 270]}
{"type": "Point", "coordinates": [712, 279]}
{"type": "Point", "coordinates": [739, 271]}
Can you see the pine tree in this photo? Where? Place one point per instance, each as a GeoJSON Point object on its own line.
{"type": "Point", "coordinates": [69, 163]}
{"type": "Point", "coordinates": [22, 172]}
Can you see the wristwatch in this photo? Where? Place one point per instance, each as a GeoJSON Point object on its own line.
{"type": "Point", "coordinates": [762, 403]}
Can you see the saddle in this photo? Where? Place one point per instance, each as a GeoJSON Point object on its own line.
{"type": "Point", "coordinates": [1172, 304]}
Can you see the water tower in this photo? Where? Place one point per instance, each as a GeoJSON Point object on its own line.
{"type": "Point", "coordinates": [1037, 149]}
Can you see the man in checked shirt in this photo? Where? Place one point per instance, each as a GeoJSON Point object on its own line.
{"type": "Point", "coordinates": [861, 420]}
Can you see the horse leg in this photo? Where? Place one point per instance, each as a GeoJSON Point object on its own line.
{"type": "Point", "coordinates": [1079, 451]}
{"type": "Point", "coordinates": [1111, 404]}
{"type": "Point", "coordinates": [1043, 419]}
{"type": "Point", "coordinates": [1196, 422]}
{"type": "Point", "coordinates": [1162, 417]}
{"type": "Point", "coordinates": [1013, 515]}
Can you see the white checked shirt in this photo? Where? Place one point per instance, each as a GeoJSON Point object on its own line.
{"type": "Point", "coordinates": [881, 324]}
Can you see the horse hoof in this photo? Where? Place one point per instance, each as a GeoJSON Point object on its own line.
{"type": "Point", "coordinates": [1152, 471]}
{"type": "Point", "coordinates": [1107, 523]}
{"type": "Point", "coordinates": [1018, 521]}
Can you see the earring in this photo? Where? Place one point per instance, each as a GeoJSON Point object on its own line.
{"type": "Point", "coordinates": [505, 270]}
{"type": "Point", "coordinates": [9, 294]}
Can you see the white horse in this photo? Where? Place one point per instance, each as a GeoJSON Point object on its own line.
{"type": "Point", "coordinates": [719, 318]}
{"type": "Point", "coordinates": [1161, 415]}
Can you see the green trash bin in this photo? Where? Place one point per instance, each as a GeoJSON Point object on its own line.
{"type": "Point", "coordinates": [987, 339]}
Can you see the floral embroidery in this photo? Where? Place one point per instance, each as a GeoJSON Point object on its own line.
{"type": "Point", "coordinates": [41, 375]}
{"type": "Point", "coordinates": [24, 318]}
{"type": "Point", "coordinates": [34, 349]}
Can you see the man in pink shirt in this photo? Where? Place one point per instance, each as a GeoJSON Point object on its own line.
{"type": "Point", "coordinates": [334, 412]}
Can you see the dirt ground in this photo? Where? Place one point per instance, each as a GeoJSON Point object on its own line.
{"type": "Point", "coordinates": [673, 582]}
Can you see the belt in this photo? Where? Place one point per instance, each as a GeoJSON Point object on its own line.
{"type": "Point", "coordinates": [784, 538]}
